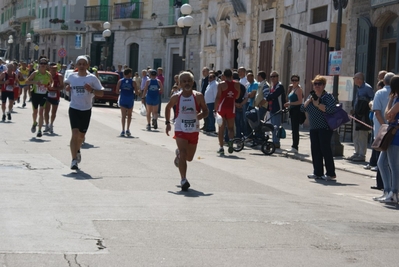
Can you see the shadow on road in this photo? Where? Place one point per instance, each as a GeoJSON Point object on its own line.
{"type": "Point", "coordinates": [190, 193]}
{"type": "Point", "coordinates": [38, 140]}
{"type": "Point", "coordinates": [88, 145]}
{"type": "Point", "coordinates": [331, 183]}
{"type": "Point", "coordinates": [80, 175]}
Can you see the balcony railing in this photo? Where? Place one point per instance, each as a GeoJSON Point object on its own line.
{"type": "Point", "coordinates": [128, 11]}
{"type": "Point", "coordinates": [41, 24]}
{"type": "Point", "coordinates": [98, 13]}
{"type": "Point", "coordinates": [26, 12]}
{"type": "Point", "coordinates": [67, 26]}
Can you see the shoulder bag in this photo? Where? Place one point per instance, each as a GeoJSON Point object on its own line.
{"type": "Point", "coordinates": [336, 119]}
{"type": "Point", "coordinates": [384, 138]}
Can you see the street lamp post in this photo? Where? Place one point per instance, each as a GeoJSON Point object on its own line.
{"type": "Point", "coordinates": [185, 22]}
{"type": "Point", "coordinates": [106, 35]}
{"type": "Point", "coordinates": [10, 42]}
{"type": "Point", "coordinates": [28, 41]}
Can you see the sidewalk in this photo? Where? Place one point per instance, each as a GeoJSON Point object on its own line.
{"type": "Point", "coordinates": [304, 148]}
{"type": "Point", "coordinates": [340, 162]}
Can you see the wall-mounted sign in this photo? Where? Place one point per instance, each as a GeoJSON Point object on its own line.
{"type": "Point", "coordinates": [78, 41]}
{"type": "Point", "coordinates": [98, 37]}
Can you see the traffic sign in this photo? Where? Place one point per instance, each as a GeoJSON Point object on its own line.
{"type": "Point", "coordinates": [335, 63]}
{"type": "Point", "coordinates": [62, 52]}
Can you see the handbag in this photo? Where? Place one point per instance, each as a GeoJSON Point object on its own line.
{"type": "Point", "coordinates": [336, 119]}
{"type": "Point", "coordinates": [281, 132]}
{"type": "Point", "coordinates": [143, 110]}
{"type": "Point", "coordinates": [384, 138]}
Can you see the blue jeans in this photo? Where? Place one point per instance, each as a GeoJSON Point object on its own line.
{"type": "Point", "coordinates": [388, 165]}
{"type": "Point", "coordinates": [210, 120]}
{"type": "Point", "coordinates": [276, 121]}
{"type": "Point", "coordinates": [239, 122]}
{"type": "Point", "coordinates": [320, 146]}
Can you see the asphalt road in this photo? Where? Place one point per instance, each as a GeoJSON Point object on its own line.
{"type": "Point", "coordinates": [124, 207]}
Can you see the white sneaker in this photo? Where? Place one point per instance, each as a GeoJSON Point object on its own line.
{"type": "Point", "coordinates": [46, 128]}
{"type": "Point", "coordinates": [292, 150]}
{"type": "Point", "coordinates": [388, 198]}
{"type": "Point", "coordinates": [74, 164]}
{"type": "Point", "coordinates": [380, 197]}
{"type": "Point", "coordinates": [51, 129]}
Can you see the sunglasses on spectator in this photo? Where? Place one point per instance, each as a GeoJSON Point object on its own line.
{"type": "Point", "coordinates": [317, 83]}
{"type": "Point", "coordinates": [294, 80]}
{"type": "Point", "coordinates": [273, 76]}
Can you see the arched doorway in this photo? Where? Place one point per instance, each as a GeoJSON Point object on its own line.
{"type": "Point", "coordinates": [389, 54]}
{"type": "Point", "coordinates": [134, 57]}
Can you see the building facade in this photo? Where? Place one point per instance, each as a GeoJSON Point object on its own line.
{"type": "Point", "coordinates": [56, 28]}
{"type": "Point", "coordinates": [257, 34]}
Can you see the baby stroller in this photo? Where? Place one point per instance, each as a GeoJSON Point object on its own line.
{"type": "Point", "coordinates": [260, 134]}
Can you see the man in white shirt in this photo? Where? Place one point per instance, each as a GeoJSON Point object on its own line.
{"type": "Point", "coordinates": [83, 86]}
{"type": "Point", "coordinates": [242, 73]}
{"type": "Point", "coordinates": [210, 96]}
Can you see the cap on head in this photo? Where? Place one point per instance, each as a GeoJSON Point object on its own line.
{"type": "Point", "coordinates": [153, 72]}
{"type": "Point", "coordinates": [82, 57]}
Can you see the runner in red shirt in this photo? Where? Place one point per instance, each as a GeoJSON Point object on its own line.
{"type": "Point", "coordinates": [228, 92]}
{"type": "Point", "coordinates": [8, 80]}
{"type": "Point", "coordinates": [53, 97]}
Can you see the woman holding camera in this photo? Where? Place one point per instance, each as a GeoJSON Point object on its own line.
{"type": "Point", "coordinates": [318, 103]}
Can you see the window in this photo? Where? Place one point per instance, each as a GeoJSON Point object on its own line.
{"type": "Point", "coordinates": [267, 25]}
{"type": "Point", "coordinates": [319, 14]}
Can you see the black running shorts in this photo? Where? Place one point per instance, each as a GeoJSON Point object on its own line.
{"type": "Point", "coordinates": [79, 119]}
{"type": "Point", "coordinates": [5, 95]}
{"type": "Point", "coordinates": [38, 100]}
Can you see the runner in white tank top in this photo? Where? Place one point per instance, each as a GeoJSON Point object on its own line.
{"type": "Point", "coordinates": [191, 108]}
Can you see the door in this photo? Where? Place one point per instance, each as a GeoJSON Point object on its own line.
{"type": "Point", "coordinates": [316, 59]}
{"type": "Point", "coordinates": [177, 66]}
{"type": "Point", "coordinates": [134, 57]}
{"type": "Point", "coordinates": [265, 57]}
{"type": "Point", "coordinates": [365, 49]}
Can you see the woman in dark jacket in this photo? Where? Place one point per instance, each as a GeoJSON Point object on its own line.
{"type": "Point", "coordinates": [318, 103]}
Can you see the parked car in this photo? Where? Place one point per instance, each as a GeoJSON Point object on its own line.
{"type": "Point", "coordinates": [108, 80]}
{"type": "Point", "coordinates": [64, 93]}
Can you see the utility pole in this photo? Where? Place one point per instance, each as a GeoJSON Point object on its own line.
{"type": "Point", "coordinates": [337, 147]}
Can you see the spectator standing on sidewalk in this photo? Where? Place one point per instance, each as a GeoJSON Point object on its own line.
{"type": "Point", "coordinates": [380, 103]}
{"type": "Point", "coordinates": [319, 102]}
{"type": "Point", "coordinates": [364, 95]}
{"type": "Point", "coordinates": [204, 85]}
{"type": "Point", "coordinates": [210, 96]}
{"type": "Point", "coordinates": [261, 95]}
{"type": "Point", "coordinates": [276, 100]}
{"type": "Point", "coordinates": [144, 78]}
{"type": "Point", "coordinates": [295, 98]}
{"type": "Point", "coordinates": [388, 162]}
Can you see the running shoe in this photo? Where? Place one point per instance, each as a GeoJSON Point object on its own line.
{"type": "Point", "coordinates": [152, 122]}
{"type": "Point", "coordinates": [78, 156]}
{"type": "Point", "coordinates": [74, 165]}
{"type": "Point", "coordinates": [39, 134]}
{"type": "Point", "coordinates": [155, 123]}
{"type": "Point", "coordinates": [51, 129]}
{"type": "Point", "coordinates": [328, 178]}
{"type": "Point", "coordinates": [230, 145]}
{"type": "Point", "coordinates": [148, 127]}
{"type": "Point", "coordinates": [184, 185]}
{"type": "Point", "coordinates": [122, 134]}
{"type": "Point", "coordinates": [46, 129]}
{"type": "Point", "coordinates": [3, 118]}
{"type": "Point", "coordinates": [221, 151]}
{"type": "Point", "coordinates": [313, 176]}
{"type": "Point", "coordinates": [128, 133]}
{"type": "Point", "coordinates": [24, 105]}
{"type": "Point", "coordinates": [9, 116]}
{"type": "Point", "coordinates": [380, 197]}
{"type": "Point", "coordinates": [33, 129]}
